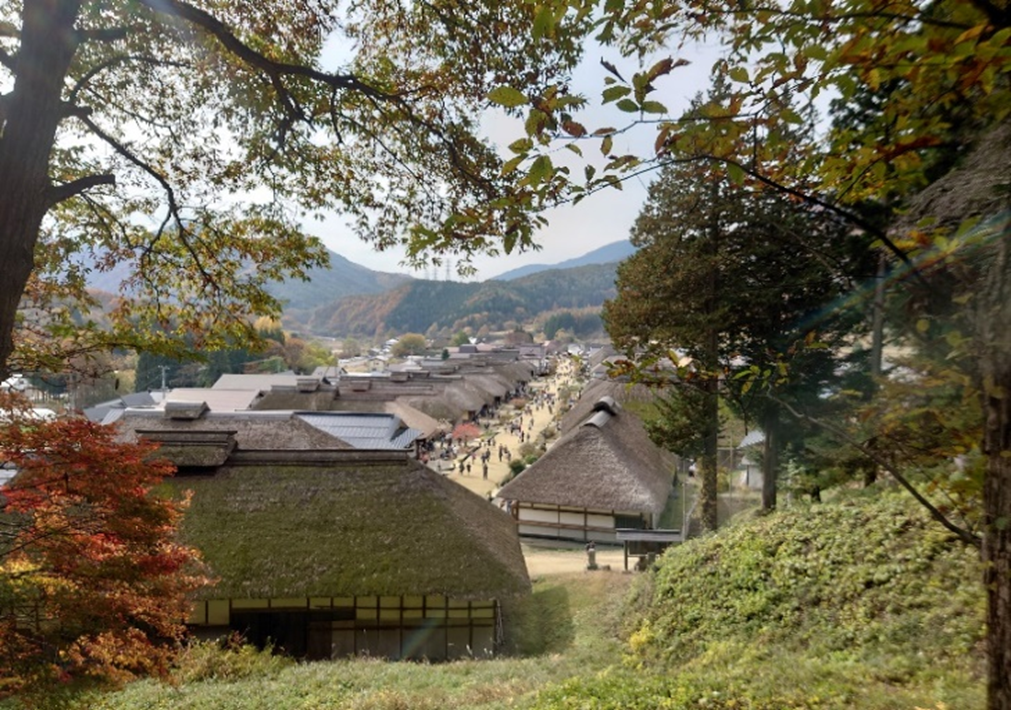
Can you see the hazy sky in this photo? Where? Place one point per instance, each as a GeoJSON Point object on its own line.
{"type": "Point", "coordinates": [601, 219]}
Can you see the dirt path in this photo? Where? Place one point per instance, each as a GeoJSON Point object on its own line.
{"type": "Point", "coordinates": [544, 562]}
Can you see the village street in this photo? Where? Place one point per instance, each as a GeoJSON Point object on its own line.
{"type": "Point", "coordinates": [549, 557]}
{"type": "Point", "coordinates": [538, 418]}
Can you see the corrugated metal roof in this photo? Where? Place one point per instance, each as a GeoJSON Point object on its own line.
{"type": "Point", "coordinates": [363, 430]}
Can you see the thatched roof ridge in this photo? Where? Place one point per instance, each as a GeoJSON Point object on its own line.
{"type": "Point", "coordinates": [217, 400]}
{"type": "Point", "coordinates": [607, 463]}
{"type": "Point", "coordinates": [518, 371]}
{"type": "Point", "coordinates": [253, 430]}
{"type": "Point", "coordinates": [465, 397]}
{"type": "Point", "coordinates": [319, 399]}
{"type": "Point", "coordinates": [326, 527]}
{"type": "Point", "coordinates": [619, 392]}
{"type": "Point", "coordinates": [414, 418]}
{"type": "Point", "coordinates": [491, 384]}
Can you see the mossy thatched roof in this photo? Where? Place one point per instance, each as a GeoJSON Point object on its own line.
{"type": "Point", "coordinates": [607, 463]}
{"type": "Point", "coordinates": [351, 525]}
{"type": "Point", "coordinates": [252, 430]}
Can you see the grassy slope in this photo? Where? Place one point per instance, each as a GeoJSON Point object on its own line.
{"type": "Point", "coordinates": [566, 631]}
{"type": "Point", "coordinates": [858, 604]}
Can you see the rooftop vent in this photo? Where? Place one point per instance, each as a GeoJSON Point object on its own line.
{"type": "Point", "coordinates": [307, 384]}
{"type": "Point", "coordinates": [187, 411]}
{"type": "Point", "coordinates": [606, 404]}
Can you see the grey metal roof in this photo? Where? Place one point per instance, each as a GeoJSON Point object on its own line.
{"type": "Point", "coordinates": [363, 430]}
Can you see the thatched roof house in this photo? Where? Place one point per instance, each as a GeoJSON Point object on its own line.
{"type": "Point", "coordinates": [268, 430]}
{"type": "Point", "coordinates": [331, 553]}
{"type": "Point", "coordinates": [594, 391]}
{"type": "Point", "coordinates": [603, 475]}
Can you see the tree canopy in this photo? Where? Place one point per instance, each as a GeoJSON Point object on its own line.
{"type": "Point", "coordinates": [188, 139]}
{"type": "Point", "coordinates": [93, 584]}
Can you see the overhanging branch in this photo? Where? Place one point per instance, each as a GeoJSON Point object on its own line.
{"type": "Point", "coordinates": [59, 193]}
{"type": "Point", "coordinates": [217, 29]}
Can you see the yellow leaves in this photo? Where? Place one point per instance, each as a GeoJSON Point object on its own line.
{"type": "Point", "coordinates": [972, 33]}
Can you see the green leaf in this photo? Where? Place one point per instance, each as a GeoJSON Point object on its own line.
{"type": "Point", "coordinates": [507, 96]}
{"type": "Point", "coordinates": [521, 146]}
{"type": "Point", "coordinates": [540, 170]}
{"type": "Point", "coordinates": [736, 173]}
{"type": "Point", "coordinates": [739, 74]}
{"type": "Point", "coordinates": [605, 145]}
{"type": "Point", "coordinates": [544, 23]}
{"type": "Point", "coordinates": [628, 105]}
{"type": "Point", "coordinates": [653, 107]}
{"type": "Point", "coordinates": [574, 148]}
{"type": "Point", "coordinates": [613, 93]}
{"type": "Point", "coordinates": [511, 165]}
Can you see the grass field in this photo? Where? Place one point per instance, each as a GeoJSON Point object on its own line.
{"type": "Point", "coordinates": [863, 604]}
{"type": "Point", "coordinates": [568, 628]}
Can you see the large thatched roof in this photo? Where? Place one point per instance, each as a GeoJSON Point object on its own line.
{"type": "Point", "coordinates": [621, 392]}
{"type": "Point", "coordinates": [607, 463]}
{"type": "Point", "coordinates": [252, 430]}
{"type": "Point", "coordinates": [302, 524]}
{"type": "Point", "coordinates": [977, 187]}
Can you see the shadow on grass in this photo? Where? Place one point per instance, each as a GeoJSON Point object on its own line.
{"type": "Point", "coordinates": [544, 622]}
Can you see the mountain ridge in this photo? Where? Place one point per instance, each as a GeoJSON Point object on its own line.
{"type": "Point", "coordinates": [613, 252]}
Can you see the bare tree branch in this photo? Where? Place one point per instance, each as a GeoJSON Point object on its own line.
{"type": "Point", "coordinates": [59, 193]}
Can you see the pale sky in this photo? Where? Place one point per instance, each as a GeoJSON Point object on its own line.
{"type": "Point", "coordinates": [601, 219]}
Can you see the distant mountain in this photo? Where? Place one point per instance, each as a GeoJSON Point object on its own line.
{"type": "Point", "coordinates": [618, 251]}
{"type": "Point", "coordinates": [325, 285]}
{"type": "Point", "coordinates": [418, 305]}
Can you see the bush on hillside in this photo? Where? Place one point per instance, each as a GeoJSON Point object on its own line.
{"type": "Point", "coordinates": [862, 604]}
{"type": "Point", "coordinates": [859, 577]}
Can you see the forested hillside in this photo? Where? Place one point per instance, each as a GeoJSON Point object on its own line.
{"type": "Point", "coordinates": [420, 305]}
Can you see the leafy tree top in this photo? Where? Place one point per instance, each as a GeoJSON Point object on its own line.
{"type": "Point", "coordinates": [187, 139]}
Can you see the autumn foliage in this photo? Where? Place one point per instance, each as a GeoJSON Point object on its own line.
{"type": "Point", "coordinates": [93, 584]}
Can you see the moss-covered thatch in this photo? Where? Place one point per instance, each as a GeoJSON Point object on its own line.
{"type": "Point", "coordinates": [326, 528]}
{"type": "Point", "coordinates": [607, 463]}
{"type": "Point", "coordinates": [252, 430]}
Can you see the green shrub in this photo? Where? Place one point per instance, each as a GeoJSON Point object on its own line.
{"type": "Point", "coordinates": [230, 660]}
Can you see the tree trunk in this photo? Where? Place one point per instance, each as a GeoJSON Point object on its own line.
{"type": "Point", "coordinates": [770, 460]}
{"type": "Point", "coordinates": [994, 332]}
{"type": "Point", "coordinates": [711, 425]}
{"type": "Point", "coordinates": [997, 546]}
{"type": "Point", "coordinates": [33, 112]}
